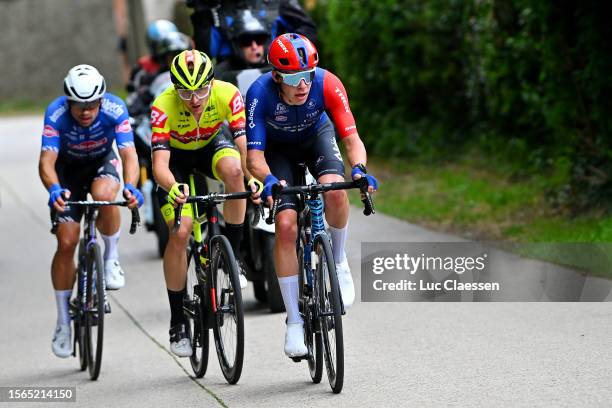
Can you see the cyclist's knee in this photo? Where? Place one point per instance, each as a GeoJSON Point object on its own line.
{"type": "Point", "coordinates": [232, 175]}
{"type": "Point", "coordinates": [67, 240]}
{"type": "Point", "coordinates": [286, 229]}
{"type": "Point", "coordinates": [181, 236]}
{"type": "Point", "coordinates": [104, 189]}
{"type": "Point", "coordinates": [335, 199]}
{"type": "Point", "coordinates": [105, 194]}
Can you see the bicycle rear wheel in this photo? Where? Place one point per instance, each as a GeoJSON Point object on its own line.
{"type": "Point", "coordinates": [195, 307]}
{"type": "Point", "coordinates": [228, 315]}
{"type": "Point", "coordinates": [312, 333]}
{"type": "Point", "coordinates": [330, 312]}
{"type": "Point", "coordinates": [94, 310]}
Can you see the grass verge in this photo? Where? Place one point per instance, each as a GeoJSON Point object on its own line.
{"type": "Point", "coordinates": [481, 203]}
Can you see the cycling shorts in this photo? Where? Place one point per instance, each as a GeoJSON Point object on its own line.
{"type": "Point", "coordinates": [320, 153]}
{"type": "Point", "coordinates": [186, 162]}
{"type": "Point", "coordinates": [78, 177]}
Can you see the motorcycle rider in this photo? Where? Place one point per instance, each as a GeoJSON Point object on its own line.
{"type": "Point", "coordinates": [212, 20]}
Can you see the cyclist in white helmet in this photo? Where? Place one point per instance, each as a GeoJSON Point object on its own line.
{"type": "Point", "coordinates": [77, 158]}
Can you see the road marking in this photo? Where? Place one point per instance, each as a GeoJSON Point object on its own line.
{"type": "Point", "coordinates": [154, 340]}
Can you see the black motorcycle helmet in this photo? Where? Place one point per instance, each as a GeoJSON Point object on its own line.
{"type": "Point", "coordinates": [246, 28]}
{"type": "Point", "coordinates": [171, 45]}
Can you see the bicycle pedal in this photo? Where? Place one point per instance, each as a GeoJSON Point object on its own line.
{"type": "Point", "coordinates": [297, 359]}
{"type": "Point", "coordinates": [107, 308]}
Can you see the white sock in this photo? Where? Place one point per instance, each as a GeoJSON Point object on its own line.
{"type": "Point", "coordinates": [110, 246]}
{"type": "Point", "coordinates": [290, 291]}
{"type": "Point", "coordinates": [62, 297]}
{"type": "Point", "coordinates": [338, 238]}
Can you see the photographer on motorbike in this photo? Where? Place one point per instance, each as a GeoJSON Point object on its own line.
{"type": "Point", "coordinates": [212, 21]}
{"type": "Point", "coordinates": [167, 47]}
{"type": "Point", "coordinates": [150, 64]}
{"type": "Point", "coordinates": [249, 38]}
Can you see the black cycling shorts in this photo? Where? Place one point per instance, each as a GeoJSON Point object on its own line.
{"type": "Point", "coordinates": [320, 153]}
{"type": "Point", "coordinates": [204, 160]}
{"type": "Point", "coordinates": [78, 177]}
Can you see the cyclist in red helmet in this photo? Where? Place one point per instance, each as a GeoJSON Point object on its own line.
{"type": "Point", "coordinates": [287, 124]}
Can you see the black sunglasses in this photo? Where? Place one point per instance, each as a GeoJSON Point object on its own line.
{"type": "Point", "coordinates": [86, 105]}
{"type": "Point", "coordinates": [247, 41]}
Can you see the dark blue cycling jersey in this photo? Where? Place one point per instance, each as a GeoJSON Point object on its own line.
{"type": "Point", "coordinates": [268, 116]}
{"type": "Point", "coordinates": [74, 143]}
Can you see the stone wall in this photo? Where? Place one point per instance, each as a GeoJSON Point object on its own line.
{"type": "Point", "coordinates": [40, 40]}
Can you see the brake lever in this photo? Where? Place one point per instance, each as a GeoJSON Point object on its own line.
{"type": "Point", "coordinates": [177, 214]}
{"type": "Point", "coordinates": [135, 220]}
{"type": "Point", "coordinates": [366, 198]}
{"type": "Point", "coordinates": [276, 189]}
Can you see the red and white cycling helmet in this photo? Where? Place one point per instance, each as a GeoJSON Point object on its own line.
{"type": "Point", "coordinates": [292, 52]}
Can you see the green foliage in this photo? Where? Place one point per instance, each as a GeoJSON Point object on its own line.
{"type": "Point", "coordinates": [524, 80]}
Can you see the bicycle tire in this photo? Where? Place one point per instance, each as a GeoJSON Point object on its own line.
{"type": "Point", "coordinates": [195, 314]}
{"type": "Point", "coordinates": [312, 336]}
{"type": "Point", "coordinates": [79, 316]}
{"type": "Point", "coordinates": [94, 314]}
{"type": "Point", "coordinates": [329, 303]}
{"type": "Point", "coordinates": [225, 286]}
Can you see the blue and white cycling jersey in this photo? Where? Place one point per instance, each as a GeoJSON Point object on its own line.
{"type": "Point", "coordinates": [74, 143]}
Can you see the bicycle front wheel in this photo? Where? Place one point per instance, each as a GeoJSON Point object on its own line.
{"type": "Point", "coordinates": [195, 307]}
{"type": "Point", "coordinates": [312, 333]}
{"type": "Point", "coordinates": [94, 310]}
{"type": "Point", "coordinates": [77, 308]}
{"type": "Point", "coordinates": [228, 315]}
{"type": "Point", "coordinates": [330, 312]}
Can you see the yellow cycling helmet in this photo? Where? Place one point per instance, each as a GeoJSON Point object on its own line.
{"type": "Point", "coordinates": [191, 69]}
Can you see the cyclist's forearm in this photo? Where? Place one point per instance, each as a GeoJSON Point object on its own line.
{"type": "Point", "coordinates": [129, 159]}
{"type": "Point", "coordinates": [46, 169]}
{"type": "Point", "coordinates": [241, 144]}
{"type": "Point", "coordinates": [256, 163]}
{"type": "Point", "coordinates": [161, 169]}
{"type": "Point", "coordinates": [355, 150]}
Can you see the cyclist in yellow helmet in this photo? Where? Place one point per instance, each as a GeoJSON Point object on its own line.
{"type": "Point", "coordinates": [186, 122]}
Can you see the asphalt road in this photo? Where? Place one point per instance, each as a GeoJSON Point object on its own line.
{"type": "Point", "coordinates": [397, 354]}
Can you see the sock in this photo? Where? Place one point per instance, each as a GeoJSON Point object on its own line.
{"type": "Point", "coordinates": [62, 297]}
{"type": "Point", "coordinates": [233, 232]}
{"type": "Point", "coordinates": [290, 291]}
{"type": "Point", "coordinates": [110, 246]}
{"type": "Point", "coordinates": [338, 238]}
{"type": "Point", "coordinates": [176, 307]}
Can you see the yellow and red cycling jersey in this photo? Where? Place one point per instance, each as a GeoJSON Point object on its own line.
{"type": "Point", "coordinates": [175, 127]}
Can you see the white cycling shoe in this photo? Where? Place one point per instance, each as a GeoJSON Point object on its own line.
{"type": "Point", "coordinates": [243, 280]}
{"type": "Point", "coordinates": [345, 281]}
{"type": "Point", "coordinates": [113, 274]}
{"type": "Point", "coordinates": [62, 341]}
{"type": "Point", "coordinates": [242, 275]}
{"type": "Point", "coordinates": [294, 340]}
{"type": "Point", "coordinates": [179, 341]}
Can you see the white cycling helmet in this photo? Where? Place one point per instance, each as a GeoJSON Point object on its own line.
{"type": "Point", "coordinates": [84, 84]}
